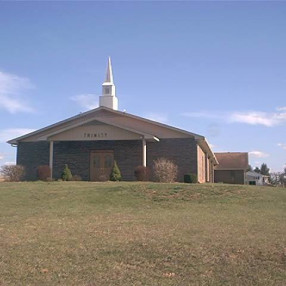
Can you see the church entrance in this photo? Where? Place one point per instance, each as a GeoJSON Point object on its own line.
{"type": "Point", "coordinates": [101, 163]}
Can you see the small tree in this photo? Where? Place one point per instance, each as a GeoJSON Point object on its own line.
{"type": "Point", "coordinates": [142, 173]}
{"type": "Point", "coordinates": [165, 171]}
{"type": "Point", "coordinates": [44, 172]}
{"type": "Point", "coordinates": [283, 178]}
{"type": "Point", "coordinates": [257, 170]}
{"type": "Point", "coordinates": [115, 173]}
{"type": "Point", "coordinates": [278, 178]}
{"type": "Point", "coordinates": [66, 174]}
{"type": "Point", "coordinates": [275, 178]}
{"type": "Point", "coordinates": [264, 170]}
{"type": "Point", "coordinates": [13, 173]}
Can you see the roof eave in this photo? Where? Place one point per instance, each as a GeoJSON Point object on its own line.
{"type": "Point", "coordinates": [17, 139]}
{"type": "Point", "coordinates": [205, 143]}
{"type": "Point", "coordinates": [12, 142]}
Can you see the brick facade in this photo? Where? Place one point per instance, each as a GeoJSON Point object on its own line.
{"type": "Point", "coordinates": [201, 157]}
{"type": "Point", "coordinates": [127, 153]}
{"type": "Point", "coordinates": [229, 176]}
{"type": "Point", "coordinates": [31, 155]}
{"type": "Point", "coordinates": [182, 151]}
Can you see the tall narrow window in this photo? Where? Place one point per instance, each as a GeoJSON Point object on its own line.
{"type": "Point", "coordinates": [106, 90]}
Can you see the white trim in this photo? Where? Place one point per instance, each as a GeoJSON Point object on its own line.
{"type": "Point", "coordinates": [81, 115]}
{"type": "Point", "coordinates": [144, 152]}
{"type": "Point", "coordinates": [51, 158]}
{"type": "Point", "coordinates": [148, 136]}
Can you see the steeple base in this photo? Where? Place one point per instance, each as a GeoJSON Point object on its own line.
{"type": "Point", "coordinates": [109, 101]}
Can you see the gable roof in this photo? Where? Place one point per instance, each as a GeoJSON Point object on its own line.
{"type": "Point", "coordinates": [232, 161]}
{"type": "Point", "coordinates": [105, 115]}
{"type": "Point", "coordinates": [145, 127]}
{"type": "Point", "coordinates": [255, 174]}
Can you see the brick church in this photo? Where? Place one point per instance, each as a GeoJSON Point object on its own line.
{"type": "Point", "coordinates": [91, 141]}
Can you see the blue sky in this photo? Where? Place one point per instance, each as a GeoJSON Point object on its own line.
{"type": "Point", "coordinates": [213, 68]}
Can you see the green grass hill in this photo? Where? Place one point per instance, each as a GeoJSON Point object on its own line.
{"type": "Point", "coordinates": [120, 233]}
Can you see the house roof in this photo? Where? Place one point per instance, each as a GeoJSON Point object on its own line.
{"type": "Point", "coordinates": [232, 161]}
{"type": "Point", "coordinates": [255, 174]}
{"type": "Point", "coordinates": [142, 126]}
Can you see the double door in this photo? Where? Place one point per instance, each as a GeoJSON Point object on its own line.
{"type": "Point", "coordinates": [101, 163]}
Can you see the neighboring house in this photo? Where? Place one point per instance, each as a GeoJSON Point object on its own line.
{"type": "Point", "coordinates": [253, 178]}
{"type": "Point", "coordinates": [91, 141]}
{"type": "Point", "coordinates": [232, 167]}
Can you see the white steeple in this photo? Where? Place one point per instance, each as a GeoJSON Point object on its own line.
{"type": "Point", "coordinates": [109, 75]}
{"type": "Point", "coordinates": [108, 97]}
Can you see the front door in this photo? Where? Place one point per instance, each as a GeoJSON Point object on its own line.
{"type": "Point", "coordinates": [101, 163]}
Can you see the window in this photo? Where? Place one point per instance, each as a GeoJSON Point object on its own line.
{"type": "Point", "coordinates": [106, 90]}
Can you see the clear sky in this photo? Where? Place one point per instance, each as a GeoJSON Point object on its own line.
{"type": "Point", "coordinates": [213, 68]}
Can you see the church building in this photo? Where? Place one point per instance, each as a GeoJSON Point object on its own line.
{"type": "Point", "coordinates": [90, 142]}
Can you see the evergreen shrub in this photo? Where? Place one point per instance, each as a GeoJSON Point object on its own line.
{"type": "Point", "coordinates": [66, 174]}
{"type": "Point", "coordinates": [190, 178]}
{"type": "Point", "coordinates": [115, 173]}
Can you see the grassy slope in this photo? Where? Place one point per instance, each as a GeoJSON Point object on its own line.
{"type": "Point", "coordinates": [82, 233]}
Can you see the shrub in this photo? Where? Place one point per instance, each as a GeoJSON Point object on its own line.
{"type": "Point", "coordinates": [13, 173]}
{"type": "Point", "coordinates": [66, 174]}
{"type": "Point", "coordinates": [44, 173]}
{"type": "Point", "coordinates": [165, 171]}
{"type": "Point", "coordinates": [190, 178]}
{"type": "Point", "coordinates": [115, 173]}
{"type": "Point", "coordinates": [76, 178]}
{"type": "Point", "coordinates": [142, 173]}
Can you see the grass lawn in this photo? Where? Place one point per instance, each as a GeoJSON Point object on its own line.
{"type": "Point", "coordinates": [83, 233]}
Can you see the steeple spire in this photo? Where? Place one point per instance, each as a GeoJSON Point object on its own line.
{"type": "Point", "coordinates": [109, 75]}
{"type": "Point", "coordinates": [108, 97]}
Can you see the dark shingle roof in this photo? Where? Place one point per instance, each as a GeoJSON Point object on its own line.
{"type": "Point", "coordinates": [232, 161]}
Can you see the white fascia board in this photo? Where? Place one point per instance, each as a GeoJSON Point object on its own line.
{"type": "Point", "coordinates": [15, 140]}
{"type": "Point", "coordinates": [197, 136]}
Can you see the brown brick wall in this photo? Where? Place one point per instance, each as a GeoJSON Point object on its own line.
{"type": "Point", "coordinates": [182, 151]}
{"type": "Point", "coordinates": [211, 172]}
{"type": "Point", "coordinates": [207, 169]}
{"type": "Point", "coordinates": [76, 154]}
{"type": "Point", "coordinates": [128, 155]}
{"type": "Point", "coordinates": [31, 155]}
{"type": "Point", "coordinates": [201, 166]}
{"type": "Point", "coordinates": [229, 176]}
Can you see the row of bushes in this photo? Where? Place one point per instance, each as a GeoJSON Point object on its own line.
{"type": "Point", "coordinates": [163, 171]}
{"type": "Point", "coordinates": [44, 174]}
{"type": "Point", "coordinates": [16, 173]}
